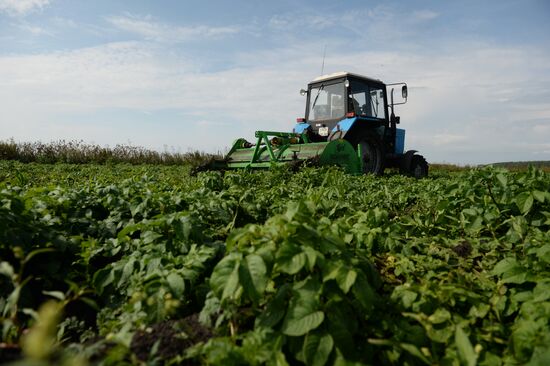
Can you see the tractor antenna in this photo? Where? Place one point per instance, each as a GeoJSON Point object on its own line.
{"type": "Point", "coordinates": [323, 65]}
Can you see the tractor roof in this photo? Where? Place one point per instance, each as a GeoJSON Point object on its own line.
{"type": "Point", "coordinates": [341, 74]}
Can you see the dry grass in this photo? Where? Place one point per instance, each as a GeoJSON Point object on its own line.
{"type": "Point", "coordinates": [79, 152]}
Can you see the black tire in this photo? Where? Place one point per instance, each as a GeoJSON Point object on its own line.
{"type": "Point", "coordinates": [419, 167]}
{"type": "Point", "coordinates": [372, 155]}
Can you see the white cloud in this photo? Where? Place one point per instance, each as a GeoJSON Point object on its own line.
{"type": "Point", "coordinates": [21, 7]}
{"type": "Point", "coordinates": [293, 21]}
{"type": "Point", "coordinates": [64, 22]}
{"type": "Point", "coordinates": [424, 15]}
{"type": "Point", "coordinates": [42, 91]}
{"type": "Point", "coordinates": [147, 27]}
{"type": "Point", "coordinates": [35, 30]}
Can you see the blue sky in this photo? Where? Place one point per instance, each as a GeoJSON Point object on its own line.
{"type": "Point", "coordinates": [186, 75]}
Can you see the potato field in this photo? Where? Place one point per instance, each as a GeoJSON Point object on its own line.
{"type": "Point", "coordinates": [120, 264]}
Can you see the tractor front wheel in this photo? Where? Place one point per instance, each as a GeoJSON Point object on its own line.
{"type": "Point", "coordinates": [419, 167]}
{"type": "Point", "coordinates": [372, 155]}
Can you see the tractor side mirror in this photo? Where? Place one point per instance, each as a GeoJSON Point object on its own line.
{"type": "Point", "coordinates": [404, 92]}
{"type": "Point", "coordinates": [303, 92]}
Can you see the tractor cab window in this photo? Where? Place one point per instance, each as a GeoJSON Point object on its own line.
{"type": "Point", "coordinates": [327, 102]}
{"type": "Point", "coordinates": [366, 100]}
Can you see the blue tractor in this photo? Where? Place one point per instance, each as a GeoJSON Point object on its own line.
{"type": "Point", "coordinates": [348, 121]}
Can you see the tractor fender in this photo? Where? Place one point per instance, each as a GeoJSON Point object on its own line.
{"type": "Point", "coordinates": [344, 125]}
{"type": "Point", "coordinates": [407, 160]}
{"type": "Point", "coordinates": [299, 128]}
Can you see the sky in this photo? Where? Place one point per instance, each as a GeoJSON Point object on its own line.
{"type": "Point", "coordinates": [191, 75]}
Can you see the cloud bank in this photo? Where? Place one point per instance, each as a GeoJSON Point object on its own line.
{"type": "Point", "coordinates": [22, 7]}
{"type": "Point", "coordinates": [148, 28]}
{"type": "Point", "coordinates": [469, 101]}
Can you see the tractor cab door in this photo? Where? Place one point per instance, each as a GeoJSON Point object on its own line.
{"type": "Point", "coordinates": [367, 99]}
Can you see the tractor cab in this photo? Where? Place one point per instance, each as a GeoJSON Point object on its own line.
{"type": "Point", "coordinates": [336, 97]}
{"type": "Point", "coordinates": [351, 106]}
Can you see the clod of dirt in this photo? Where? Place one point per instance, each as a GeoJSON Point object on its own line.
{"type": "Point", "coordinates": [463, 249]}
{"type": "Point", "coordinates": [9, 352]}
{"type": "Point", "coordinates": [172, 336]}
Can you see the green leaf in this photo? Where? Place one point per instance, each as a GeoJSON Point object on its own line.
{"type": "Point", "coordinates": [55, 294]}
{"type": "Point", "coordinates": [257, 269]}
{"type": "Point", "coordinates": [331, 270]}
{"type": "Point", "coordinates": [232, 284]}
{"type": "Point", "coordinates": [479, 310]}
{"type": "Point", "coordinates": [312, 256]}
{"type": "Point", "coordinates": [364, 293]}
{"type": "Point", "coordinates": [441, 315]}
{"type": "Point", "coordinates": [6, 269]}
{"type": "Point", "coordinates": [346, 279]}
{"type": "Point", "coordinates": [524, 201]}
{"type": "Point", "coordinates": [541, 292]}
{"type": "Point", "coordinates": [524, 337]}
{"type": "Point", "coordinates": [90, 302]}
{"type": "Point", "coordinates": [413, 350]}
{"type": "Point", "coordinates": [539, 196]}
{"type": "Point", "coordinates": [103, 278]}
{"type": "Point", "coordinates": [317, 348]}
{"type": "Point", "coordinates": [303, 314]}
{"type": "Point", "coordinates": [300, 323]}
{"type": "Point", "coordinates": [503, 180]}
{"type": "Point", "coordinates": [126, 271]}
{"type": "Point", "coordinates": [344, 275]}
{"type": "Point", "coordinates": [470, 212]}
{"type": "Point", "coordinates": [290, 258]}
{"type": "Point", "coordinates": [225, 277]}
{"type": "Point", "coordinates": [11, 301]}
{"type": "Point", "coordinates": [31, 312]}
{"type": "Point", "coordinates": [505, 265]}
{"type": "Point", "coordinates": [128, 230]}
{"type": "Point", "coordinates": [476, 225]}
{"type": "Point", "coordinates": [512, 271]}
{"type": "Point", "coordinates": [279, 359]}
{"type": "Point", "coordinates": [341, 330]}
{"type": "Point", "coordinates": [252, 276]}
{"type": "Point", "coordinates": [149, 237]}
{"type": "Point", "coordinates": [466, 352]}
{"type": "Point", "coordinates": [275, 309]}
{"type": "Point", "coordinates": [542, 253]}
{"type": "Point", "coordinates": [36, 252]}
{"type": "Point", "coordinates": [406, 296]}
{"type": "Point", "coordinates": [245, 279]}
{"type": "Point", "coordinates": [176, 283]}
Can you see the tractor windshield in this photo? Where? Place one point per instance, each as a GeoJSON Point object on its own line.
{"type": "Point", "coordinates": [327, 102]}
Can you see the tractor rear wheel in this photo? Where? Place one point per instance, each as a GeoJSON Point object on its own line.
{"type": "Point", "coordinates": [419, 167]}
{"type": "Point", "coordinates": [372, 155]}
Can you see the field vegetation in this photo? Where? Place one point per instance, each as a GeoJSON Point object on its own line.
{"type": "Point", "coordinates": [121, 264]}
{"type": "Point", "coordinates": [79, 152]}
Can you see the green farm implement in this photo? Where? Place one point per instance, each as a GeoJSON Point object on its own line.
{"type": "Point", "coordinates": [290, 148]}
